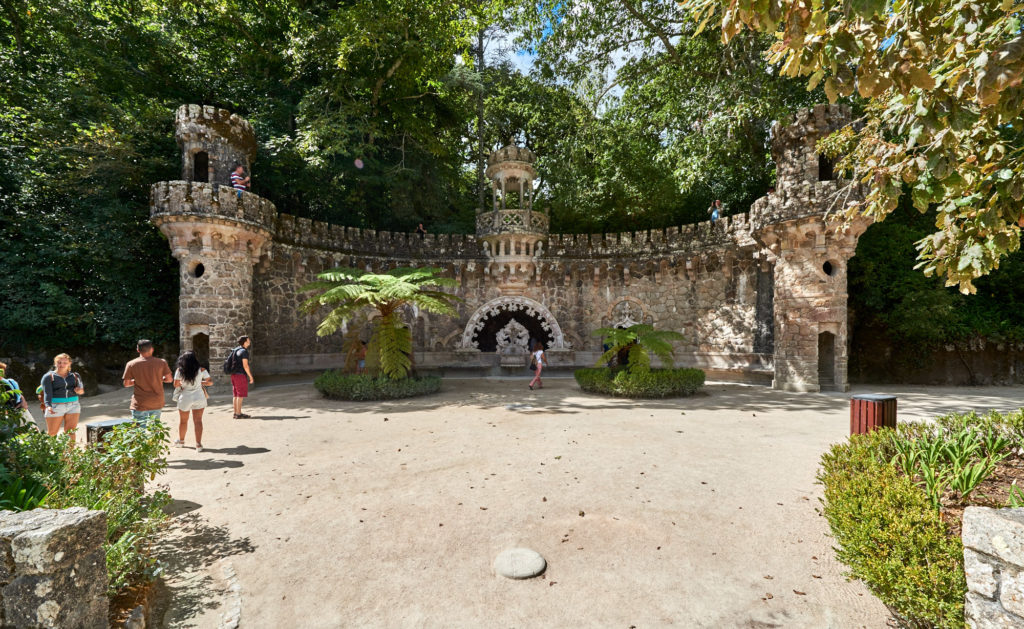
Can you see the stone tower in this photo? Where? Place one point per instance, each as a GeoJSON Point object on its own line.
{"type": "Point", "coordinates": [807, 245]}
{"type": "Point", "coordinates": [215, 233]}
{"type": "Point", "coordinates": [512, 234]}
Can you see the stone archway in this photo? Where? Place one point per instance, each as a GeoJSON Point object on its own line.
{"type": "Point", "coordinates": [524, 305]}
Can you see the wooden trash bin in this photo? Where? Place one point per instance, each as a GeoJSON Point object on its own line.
{"type": "Point", "coordinates": [870, 412]}
{"type": "Point", "coordinates": [97, 431]}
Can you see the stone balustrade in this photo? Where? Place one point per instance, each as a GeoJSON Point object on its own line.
{"type": "Point", "coordinates": [514, 221]}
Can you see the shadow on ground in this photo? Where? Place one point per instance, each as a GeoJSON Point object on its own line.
{"type": "Point", "coordinates": [189, 549]}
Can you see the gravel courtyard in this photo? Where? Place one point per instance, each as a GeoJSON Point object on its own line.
{"type": "Point", "coordinates": [697, 512]}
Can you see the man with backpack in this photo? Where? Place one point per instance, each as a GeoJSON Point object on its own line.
{"type": "Point", "coordinates": [237, 366]}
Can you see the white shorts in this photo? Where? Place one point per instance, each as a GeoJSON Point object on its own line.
{"type": "Point", "coordinates": [191, 401]}
{"type": "Point", "coordinates": [60, 409]}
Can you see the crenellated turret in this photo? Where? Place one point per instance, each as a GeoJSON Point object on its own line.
{"type": "Point", "coordinates": [215, 232]}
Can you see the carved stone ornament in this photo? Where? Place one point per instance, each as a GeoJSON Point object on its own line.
{"type": "Point", "coordinates": [627, 313]}
{"type": "Point", "coordinates": [513, 340]}
{"type": "Point", "coordinates": [525, 305]}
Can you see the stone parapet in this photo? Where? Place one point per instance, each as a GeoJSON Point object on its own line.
{"type": "Point", "coordinates": [213, 204]}
{"type": "Point", "coordinates": [994, 565]}
{"type": "Point", "coordinates": [501, 222]}
{"type": "Point", "coordinates": [204, 123]}
{"type": "Point", "coordinates": [54, 572]}
{"type": "Point", "coordinates": [303, 232]}
{"type": "Point", "coordinates": [731, 231]}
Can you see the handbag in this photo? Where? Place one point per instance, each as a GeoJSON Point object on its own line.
{"type": "Point", "coordinates": [176, 395]}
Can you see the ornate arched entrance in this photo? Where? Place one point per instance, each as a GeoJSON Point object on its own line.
{"type": "Point", "coordinates": [490, 318]}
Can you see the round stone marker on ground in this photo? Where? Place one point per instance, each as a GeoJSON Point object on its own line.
{"type": "Point", "coordinates": [519, 563]}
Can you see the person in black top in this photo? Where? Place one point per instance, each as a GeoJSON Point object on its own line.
{"type": "Point", "coordinates": [241, 375]}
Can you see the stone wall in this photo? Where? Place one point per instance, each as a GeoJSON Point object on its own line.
{"type": "Point", "coordinates": [54, 572]}
{"type": "Point", "coordinates": [994, 564]}
{"type": "Point", "coordinates": [754, 294]}
{"type": "Point", "coordinates": [708, 294]}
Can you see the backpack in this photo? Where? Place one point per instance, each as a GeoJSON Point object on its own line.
{"type": "Point", "coordinates": [8, 396]}
{"type": "Point", "coordinates": [229, 362]}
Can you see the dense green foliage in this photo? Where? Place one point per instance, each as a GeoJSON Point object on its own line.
{"type": "Point", "coordinates": [640, 383]}
{"type": "Point", "coordinates": [883, 496]}
{"type": "Point", "coordinates": [892, 303]}
{"type": "Point", "coordinates": [111, 478]}
{"type": "Point", "coordinates": [348, 291]}
{"type": "Point", "coordinates": [890, 536]}
{"type": "Point", "coordinates": [943, 85]}
{"type": "Point", "coordinates": [361, 387]}
{"type": "Point", "coordinates": [636, 344]}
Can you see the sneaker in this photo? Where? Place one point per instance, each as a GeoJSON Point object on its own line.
{"type": "Point", "coordinates": [199, 447]}
{"type": "Point", "coordinates": [178, 443]}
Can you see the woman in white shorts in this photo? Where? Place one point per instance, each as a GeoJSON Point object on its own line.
{"type": "Point", "coordinates": [190, 377]}
{"type": "Point", "coordinates": [61, 389]}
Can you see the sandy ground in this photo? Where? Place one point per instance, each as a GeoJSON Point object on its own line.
{"type": "Point", "coordinates": [697, 512]}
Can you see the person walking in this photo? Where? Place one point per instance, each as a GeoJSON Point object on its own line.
{"type": "Point", "coordinates": [241, 375]}
{"type": "Point", "coordinates": [61, 389]}
{"type": "Point", "coordinates": [147, 374]}
{"type": "Point", "coordinates": [539, 359]}
{"type": "Point", "coordinates": [190, 380]}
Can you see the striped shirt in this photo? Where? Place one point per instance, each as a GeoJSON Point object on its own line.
{"type": "Point", "coordinates": [238, 181]}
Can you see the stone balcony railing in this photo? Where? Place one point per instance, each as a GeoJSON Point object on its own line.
{"type": "Point", "coordinates": [501, 222]}
{"type": "Point", "coordinates": [181, 200]}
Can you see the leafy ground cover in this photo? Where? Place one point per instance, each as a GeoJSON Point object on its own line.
{"type": "Point", "coordinates": [640, 383]}
{"type": "Point", "coordinates": [37, 470]}
{"type": "Point", "coordinates": [363, 387]}
{"type": "Point", "coordinates": [894, 500]}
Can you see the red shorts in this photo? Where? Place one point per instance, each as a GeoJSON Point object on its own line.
{"type": "Point", "coordinates": [239, 385]}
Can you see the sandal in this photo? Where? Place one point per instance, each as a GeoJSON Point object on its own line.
{"type": "Point", "coordinates": [178, 443]}
{"type": "Point", "coordinates": [199, 447]}
{"type": "Point", "coordinates": [243, 416]}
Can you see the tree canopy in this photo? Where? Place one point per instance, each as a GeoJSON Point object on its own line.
{"type": "Point", "coordinates": [942, 85]}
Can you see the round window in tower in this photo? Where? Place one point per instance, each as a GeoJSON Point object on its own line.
{"type": "Point", "coordinates": [196, 269]}
{"type": "Point", "coordinates": [828, 268]}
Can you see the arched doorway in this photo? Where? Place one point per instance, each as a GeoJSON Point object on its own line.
{"type": "Point", "coordinates": [827, 361]}
{"type": "Point", "coordinates": [201, 346]}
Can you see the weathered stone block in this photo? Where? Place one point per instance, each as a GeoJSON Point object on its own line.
{"type": "Point", "coordinates": [982, 576]}
{"type": "Point", "coordinates": [981, 613]}
{"type": "Point", "coordinates": [995, 532]}
{"type": "Point", "coordinates": [55, 573]}
{"type": "Point", "coordinates": [1011, 592]}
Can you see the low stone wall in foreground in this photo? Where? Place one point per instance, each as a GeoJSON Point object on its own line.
{"type": "Point", "coordinates": [54, 570]}
{"type": "Point", "coordinates": [994, 563]}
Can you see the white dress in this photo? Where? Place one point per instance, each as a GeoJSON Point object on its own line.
{"type": "Point", "coordinates": [192, 396]}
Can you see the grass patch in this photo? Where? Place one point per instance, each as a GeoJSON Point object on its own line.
{"type": "Point", "coordinates": [338, 385]}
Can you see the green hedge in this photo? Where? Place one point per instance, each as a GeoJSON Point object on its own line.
{"type": "Point", "coordinates": [890, 536]}
{"type": "Point", "coordinates": [347, 386]}
{"type": "Point", "coordinates": [640, 383]}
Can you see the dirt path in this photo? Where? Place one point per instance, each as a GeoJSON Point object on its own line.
{"type": "Point", "coordinates": [698, 512]}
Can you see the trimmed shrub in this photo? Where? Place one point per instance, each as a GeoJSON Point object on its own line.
{"type": "Point", "coordinates": [891, 536]}
{"type": "Point", "coordinates": [348, 386]}
{"type": "Point", "coordinates": [640, 383]}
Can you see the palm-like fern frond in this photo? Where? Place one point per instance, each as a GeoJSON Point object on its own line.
{"type": "Point", "coordinates": [640, 341]}
{"type": "Point", "coordinates": [346, 291]}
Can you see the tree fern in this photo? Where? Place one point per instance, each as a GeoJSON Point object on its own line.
{"type": "Point", "coordinates": [640, 341]}
{"type": "Point", "coordinates": [347, 291]}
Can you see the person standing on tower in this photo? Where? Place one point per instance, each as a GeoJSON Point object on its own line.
{"type": "Point", "coordinates": [239, 180]}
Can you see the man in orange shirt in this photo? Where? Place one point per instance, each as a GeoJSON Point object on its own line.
{"type": "Point", "coordinates": [148, 375]}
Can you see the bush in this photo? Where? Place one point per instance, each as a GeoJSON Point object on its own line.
{"type": "Point", "coordinates": [890, 535]}
{"type": "Point", "coordinates": [640, 382]}
{"type": "Point", "coordinates": [111, 479]}
{"type": "Point", "coordinates": [346, 386]}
